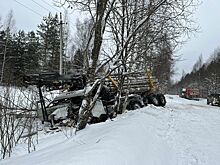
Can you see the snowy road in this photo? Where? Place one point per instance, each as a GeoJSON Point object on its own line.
{"type": "Point", "coordinates": [185, 132]}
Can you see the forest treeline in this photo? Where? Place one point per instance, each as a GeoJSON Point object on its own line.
{"type": "Point", "coordinates": [38, 51]}
{"type": "Point", "coordinates": [30, 52]}
{"type": "Point", "coordinates": [204, 76]}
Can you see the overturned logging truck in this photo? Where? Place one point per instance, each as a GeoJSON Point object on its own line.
{"type": "Point", "coordinates": [118, 92]}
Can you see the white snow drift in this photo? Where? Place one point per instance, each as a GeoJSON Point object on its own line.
{"type": "Point", "coordinates": [185, 132]}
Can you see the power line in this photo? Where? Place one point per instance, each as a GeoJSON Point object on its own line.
{"type": "Point", "coordinates": [40, 5]}
{"type": "Point", "coordinates": [56, 10]}
{"type": "Point", "coordinates": [28, 8]}
{"type": "Point", "coordinates": [50, 5]}
{"type": "Point", "coordinates": [70, 23]}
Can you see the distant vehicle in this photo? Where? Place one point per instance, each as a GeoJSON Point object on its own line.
{"type": "Point", "coordinates": [190, 93]}
{"type": "Point", "coordinates": [213, 99]}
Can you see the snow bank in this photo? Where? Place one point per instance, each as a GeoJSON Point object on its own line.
{"type": "Point", "coordinates": [185, 132]}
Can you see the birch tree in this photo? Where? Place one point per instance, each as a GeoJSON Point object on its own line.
{"type": "Point", "coordinates": [8, 27]}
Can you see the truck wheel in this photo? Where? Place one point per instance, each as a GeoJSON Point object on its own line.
{"type": "Point", "coordinates": [154, 100]}
{"type": "Point", "coordinates": [161, 100]}
{"type": "Point", "coordinates": [145, 100]}
{"type": "Point", "coordinates": [103, 117]}
{"type": "Point", "coordinates": [133, 105]}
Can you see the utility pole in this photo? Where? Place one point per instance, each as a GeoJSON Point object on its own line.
{"type": "Point", "coordinates": [61, 45]}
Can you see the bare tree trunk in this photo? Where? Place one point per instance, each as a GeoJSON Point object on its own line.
{"type": "Point", "coordinates": [100, 11]}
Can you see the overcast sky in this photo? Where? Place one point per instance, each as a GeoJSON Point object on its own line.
{"type": "Point", "coordinates": [207, 40]}
{"type": "Point", "coordinates": [28, 14]}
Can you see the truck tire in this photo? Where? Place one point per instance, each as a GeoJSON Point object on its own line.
{"type": "Point", "coordinates": [161, 99]}
{"type": "Point", "coordinates": [145, 100]}
{"type": "Point", "coordinates": [103, 117]}
{"type": "Point", "coordinates": [134, 105]}
{"type": "Point", "coordinates": [153, 99]}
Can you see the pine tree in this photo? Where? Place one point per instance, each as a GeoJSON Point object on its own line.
{"type": "Point", "coordinates": [49, 38]}
{"type": "Point", "coordinates": [6, 52]}
{"type": "Point", "coordinates": [17, 57]}
{"type": "Point", "coordinates": [31, 55]}
{"type": "Point", "coordinates": [78, 60]}
{"type": "Point", "coordinates": [2, 45]}
{"type": "Point", "coordinates": [163, 66]}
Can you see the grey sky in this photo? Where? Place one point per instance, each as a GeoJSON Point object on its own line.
{"type": "Point", "coordinates": [28, 13]}
{"type": "Point", "coordinates": [203, 43]}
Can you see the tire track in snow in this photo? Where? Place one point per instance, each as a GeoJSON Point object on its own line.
{"type": "Point", "coordinates": [179, 140]}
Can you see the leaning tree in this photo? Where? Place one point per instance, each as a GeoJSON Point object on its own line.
{"type": "Point", "coordinates": [128, 34]}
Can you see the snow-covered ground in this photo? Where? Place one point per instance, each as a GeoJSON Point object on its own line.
{"type": "Point", "coordinates": [185, 132]}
